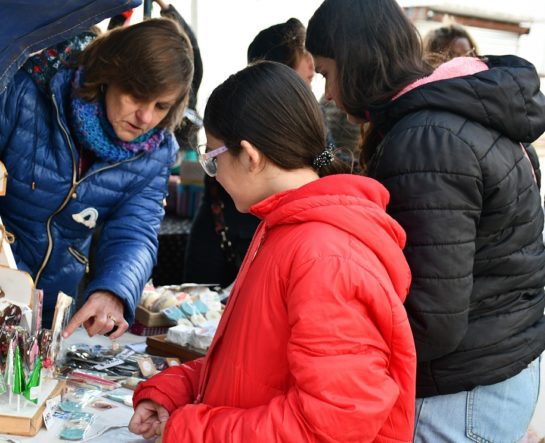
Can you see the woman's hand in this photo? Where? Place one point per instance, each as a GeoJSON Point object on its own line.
{"type": "Point", "coordinates": [102, 313]}
{"type": "Point", "coordinates": [149, 420]}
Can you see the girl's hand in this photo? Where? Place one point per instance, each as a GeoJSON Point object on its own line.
{"type": "Point", "coordinates": [148, 420]}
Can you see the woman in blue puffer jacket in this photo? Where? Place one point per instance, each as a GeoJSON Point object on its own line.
{"type": "Point", "coordinates": [93, 151]}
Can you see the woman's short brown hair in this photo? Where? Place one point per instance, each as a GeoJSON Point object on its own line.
{"type": "Point", "coordinates": [145, 60]}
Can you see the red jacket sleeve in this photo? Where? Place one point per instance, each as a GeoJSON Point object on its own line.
{"type": "Point", "coordinates": [339, 355]}
{"type": "Point", "coordinates": [172, 388]}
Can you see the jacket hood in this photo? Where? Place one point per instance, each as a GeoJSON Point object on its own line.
{"type": "Point", "coordinates": [354, 204]}
{"type": "Point", "coordinates": [505, 97]}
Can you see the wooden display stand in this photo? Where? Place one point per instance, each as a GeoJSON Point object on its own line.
{"type": "Point", "coordinates": [157, 345]}
{"type": "Point", "coordinates": [29, 426]}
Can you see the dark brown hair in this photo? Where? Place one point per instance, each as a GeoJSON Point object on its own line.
{"type": "Point", "coordinates": [145, 60]}
{"type": "Point", "coordinates": [438, 43]}
{"type": "Point", "coordinates": [376, 48]}
{"type": "Point", "coordinates": [282, 43]}
{"type": "Point", "coordinates": [270, 105]}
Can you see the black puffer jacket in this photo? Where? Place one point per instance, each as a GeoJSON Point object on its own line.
{"type": "Point", "coordinates": [462, 188]}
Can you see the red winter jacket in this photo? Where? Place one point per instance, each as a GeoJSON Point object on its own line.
{"type": "Point", "coordinates": [314, 344]}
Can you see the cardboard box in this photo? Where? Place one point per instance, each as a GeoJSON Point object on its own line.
{"type": "Point", "coordinates": [29, 425]}
{"type": "Point", "coordinates": [152, 319]}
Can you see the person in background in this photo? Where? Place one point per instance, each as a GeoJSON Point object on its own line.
{"type": "Point", "coordinates": [314, 344]}
{"type": "Point", "coordinates": [446, 42]}
{"type": "Point", "coordinates": [220, 235]}
{"type": "Point", "coordinates": [444, 142]}
{"type": "Point", "coordinates": [186, 131]}
{"type": "Point", "coordinates": [91, 149]}
{"type": "Point", "coordinates": [284, 43]}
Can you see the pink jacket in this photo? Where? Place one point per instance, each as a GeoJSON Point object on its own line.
{"type": "Point", "coordinates": [314, 344]}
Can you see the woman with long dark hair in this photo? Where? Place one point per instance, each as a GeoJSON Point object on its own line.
{"type": "Point", "coordinates": [445, 143]}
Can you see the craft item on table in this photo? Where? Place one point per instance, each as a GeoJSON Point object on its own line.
{"type": "Point", "coordinates": [166, 300]}
{"type": "Point", "coordinates": [44, 344]}
{"type": "Point", "coordinates": [90, 380]}
{"type": "Point", "coordinates": [131, 382]}
{"type": "Point", "coordinates": [8, 373]}
{"type": "Point", "coordinates": [202, 337]}
{"type": "Point", "coordinates": [18, 376]}
{"type": "Point", "coordinates": [148, 299]}
{"type": "Point", "coordinates": [173, 313]}
{"type": "Point", "coordinates": [75, 398]}
{"type": "Point", "coordinates": [32, 388]}
{"type": "Point", "coordinates": [201, 307]}
{"type": "Point", "coordinates": [107, 364]}
{"type": "Point", "coordinates": [10, 314]}
{"type": "Point", "coordinates": [213, 317]}
{"type": "Point", "coordinates": [192, 312]}
{"type": "Point", "coordinates": [30, 351]}
{"type": "Point", "coordinates": [101, 361]}
{"type": "Point", "coordinates": [121, 395]}
{"type": "Point", "coordinates": [37, 307]}
{"type": "Point", "coordinates": [196, 337]}
{"type": "Point", "coordinates": [102, 405]}
{"type": "Point", "coordinates": [147, 366]}
{"type": "Point", "coordinates": [198, 320]}
{"type": "Point", "coordinates": [60, 319]}
{"type": "Point", "coordinates": [185, 322]}
{"type": "Point", "coordinates": [3, 388]}
{"type": "Point", "coordinates": [173, 361]}
{"type": "Point", "coordinates": [76, 426]}
{"type": "Point", "coordinates": [180, 334]}
{"type": "Point", "coordinates": [212, 300]}
{"type": "Point", "coordinates": [125, 353]}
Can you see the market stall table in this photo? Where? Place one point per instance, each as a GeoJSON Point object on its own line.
{"type": "Point", "coordinates": [109, 424]}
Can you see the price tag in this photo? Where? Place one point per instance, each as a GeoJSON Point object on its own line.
{"type": "Point", "coordinates": [50, 407]}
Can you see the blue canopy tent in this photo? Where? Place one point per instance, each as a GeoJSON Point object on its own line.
{"type": "Point", "coordinates": [26, 26]}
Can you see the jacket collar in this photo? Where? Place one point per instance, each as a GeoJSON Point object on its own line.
{"type": "Point", "coordinates": [504, 97]}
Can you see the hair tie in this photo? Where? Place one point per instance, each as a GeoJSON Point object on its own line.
{"type": "Point", "coordinates": [324, 158]}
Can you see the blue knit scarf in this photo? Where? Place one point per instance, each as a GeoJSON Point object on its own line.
{"type": "Point", "coordinates": [94, 132]}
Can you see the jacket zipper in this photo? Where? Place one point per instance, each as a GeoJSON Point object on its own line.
{"type": "Point", "coordinates": [247, 263]}
{"type": "Point", "coordinates": [71, 193]}
{"type": "Point", "coordinates": [79, 257]}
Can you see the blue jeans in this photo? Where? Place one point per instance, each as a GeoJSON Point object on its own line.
{"type": "Point", "coordinates": [498, 413]}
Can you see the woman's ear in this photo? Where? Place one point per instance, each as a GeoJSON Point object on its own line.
{"type": "Point", "coordinates": [253, 157]}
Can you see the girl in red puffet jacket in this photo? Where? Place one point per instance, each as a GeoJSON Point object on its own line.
{"type": "Point", "coordinates": [314, 344]}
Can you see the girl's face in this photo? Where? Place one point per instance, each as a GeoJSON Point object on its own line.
{"type": "Point", "coordinates": [130, 117]}
{"type": "Point", "coordinates": [327, 67]}
{"type": "Point", "coordinates": [305, 68]}
{"type": "Point", "coordinates": [232, 174]}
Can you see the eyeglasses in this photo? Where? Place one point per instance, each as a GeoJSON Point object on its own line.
{"type": "Point", "coordinates": [208, 159]}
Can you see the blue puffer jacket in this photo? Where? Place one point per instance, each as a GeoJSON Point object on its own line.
{"type": "Point", "coordinates": [46, 198]}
